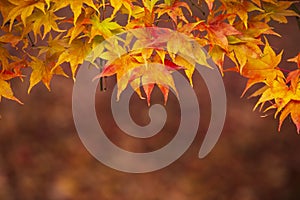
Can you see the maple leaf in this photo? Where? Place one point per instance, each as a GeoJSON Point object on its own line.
{"type": "Point", "coordinates": [149, 4]}
{"type": "Point", "coordinates": [276, 90]}
{"type": "Point", "coordinates": [283, 98]}
{"type": "Point", "coordinates": [5, 8]}
{"type": "Point", "coordinates": [296, 59]}
{"type": "Point", "coordinates": [258, 2]}
{"type": "Point", "coordinates": [109, 50]}
{"type": "Point", "coordinates": [169, 2]}
{"type": "Point", "coordinates": [79, 30]}
{"type": "Point", "coordinates": [239, 8]}
{"type": "Point", "coordinates": [143, 16]}
{"type": "Point", "coordinates": [149, 74]}
{"type": "Point", "coordinates": [4, 57]}
{"type": "Point", "coordinates": [218, 30]}
{"type": "Point", "coordinates": [157, 74]}
{"type": "Point", "coordinates": [177, 45]}
{"type": "Point", "coordinates": [292, 108]}
{"type": "Point", "coordinates": [122, 67]}
{"type": "Point", "coordinates": [174, 10]}
{"type": "Point", "coordinates": [233, 29]}
{"type": "Point", "coordinates": [262, 69]}
{"type": "Point", "coordinates": [136, 66]}
{"type": "Point", "coordinates": [117, 4]}
{"type": "Point", "coordinates": [129, 70]}
{"type": "Point", "coordinates": [243, 47]}
{"type": "Point", "coordinates": [292, 99]}
{"type": "Point", "coordinates": [24, 9]}
{"type": "Point", "coordinates": [246, 45]}
{"type": "Point", "coordinates": [10, 38]}
{"type": "Point", "coordinates": [180, 44]}
{"type": "Point", "coordinates": [74, 54]}
{"type": "Point", "coordinates": [277, 11]}
{"type": "Point", "coordinates": [55, 46]}
{"type": "Point", "coordinates": [6, 91]}
{"type": "Point", "coordinates": [210, 4]}
{"type": "Point", "coordinates": [268, 60]}
{"type": "Point", "coordinates": [13, 70]}
{"type": "Point", "coordinates": [150, 38]}
{"type": "Point", "coordinates": [293, 79]}
{"type": "Point", "coordinates": [294, 76]}
{"type": "Point", "coordinates": [75, 5]}
{"type": "Point", "coordinates": [47, 20]}
{"type": "Point", "coordinates": [188, 28]}
{"type": "Point", "coordinates": [188, 67]}
{"type": "Point", "coordinates": [43, 70]}
{"type": "Point", "coordinates": [217, 54]}
{"type": "Point", "coordinates": [255, 30]}
{"type": "Point", "coordinates": [104, 28]}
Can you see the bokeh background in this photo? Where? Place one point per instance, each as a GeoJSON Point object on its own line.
{"type": "Point", "coordinates": [42, 157]}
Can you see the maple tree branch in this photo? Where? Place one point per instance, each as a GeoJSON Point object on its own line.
{"type": "Point", "coordinates": [102, 80]}
{"type": "Point", "coordinates": [31, 41]}
{"type": "Point", "coordinates": [198, 7]}
{"type": "Point", "coordinates": [294, 7]}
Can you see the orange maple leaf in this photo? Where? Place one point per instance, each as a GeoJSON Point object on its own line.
{"type": "Point", "coordinates": [174, 11]}
{"type": "Point", "coordinates": [239, 8]}
{"type": "Point", "coordinates": [292, 108]}
{"type": "Point", "coordinates": [218, 30]}
{"type": "Point", "coordinates": [263, 69]}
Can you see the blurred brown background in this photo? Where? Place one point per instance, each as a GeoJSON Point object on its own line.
{"type": "Point", "coordinates": [42, 157]}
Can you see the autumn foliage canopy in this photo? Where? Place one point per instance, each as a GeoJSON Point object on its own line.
{"type": "Point", "coordinates": [48, 35]}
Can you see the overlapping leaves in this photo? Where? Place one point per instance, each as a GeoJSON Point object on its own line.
{"type": "Point", "coordinates": [46, 35]}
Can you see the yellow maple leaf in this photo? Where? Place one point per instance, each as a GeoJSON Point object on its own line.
{"type": "Point", "coordinates": [74, 54]}
{"type": "Point", "coordinates": [117, 5]}
{"type": "Point", "coordinates": [79, 30]}
{"type": "Point", "coordinates": [6, 91]}
{"type": "Point", "coordinates": [104, 28]}
{"type": "Point", "coordinates": [24, 9]}
{"type": "Point", "coordinates": [277, 11]}
{"type": "Point", "coordinates": [75, 5]}
{"type": "Point", "coordinates": [217, 54]}
{"type": "Point", "coordinates": [4, 57]}
{"type": "Point", "coordinates": [47, 20]}
{"type": "Point", "coordinates": [42, 70]}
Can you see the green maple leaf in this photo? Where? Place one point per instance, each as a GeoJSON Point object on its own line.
{"type": "Point", "coordinates": [105, 28]}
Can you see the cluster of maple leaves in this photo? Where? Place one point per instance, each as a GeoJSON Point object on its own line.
{"type": "Point", "coordinates": [44, 34]}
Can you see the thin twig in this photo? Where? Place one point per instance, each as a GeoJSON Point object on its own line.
{"type": "Point", "coordinates": [197, 6]}
{"type": "Point", "coordinates": [294, 8]}
{"type": "Point", "coordinates": [31, 41]}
